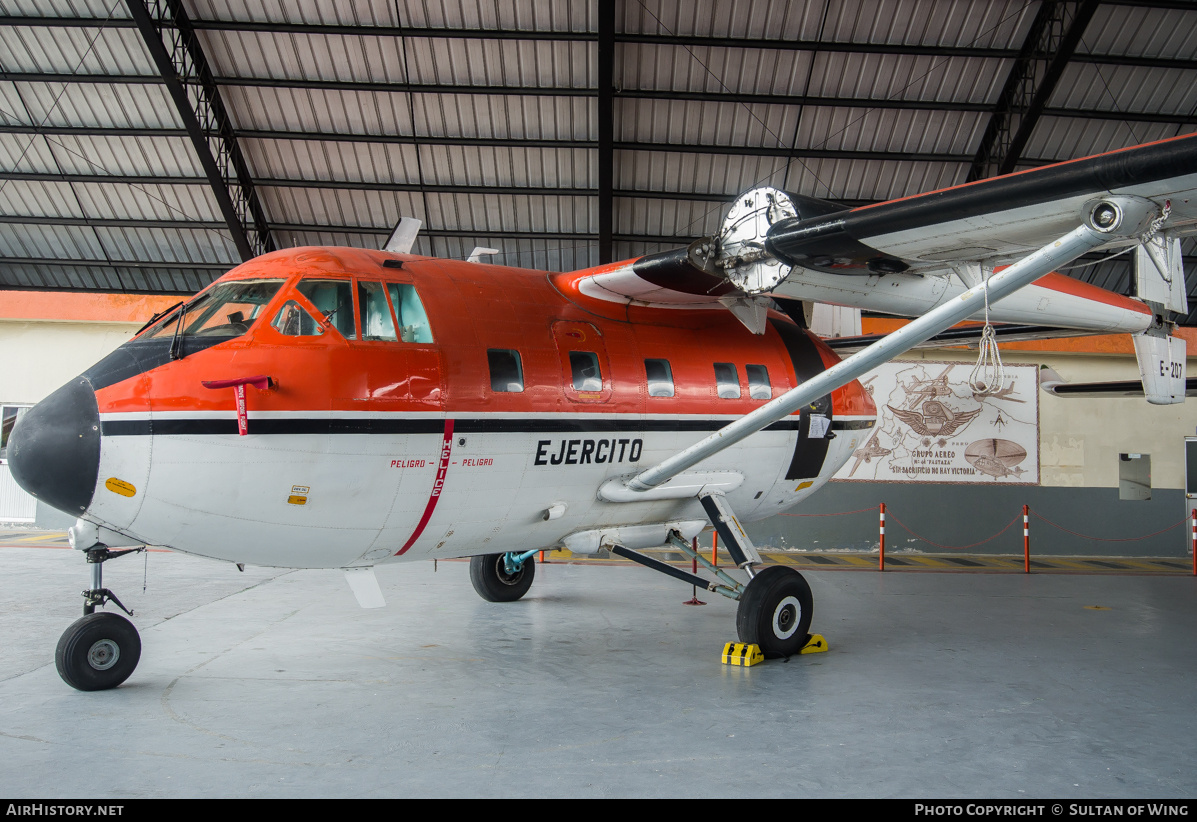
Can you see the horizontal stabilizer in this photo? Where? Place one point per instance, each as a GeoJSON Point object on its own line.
{"type": "Point", "coordinates": [968, 335]}
{"type": "Point", "coordinates": [1052, 383]}
{"type": "Point", "coordinates": [1162, 367]}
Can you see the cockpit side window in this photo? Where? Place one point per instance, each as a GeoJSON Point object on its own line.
{"type": "Point", "coordinates": [293, 320]}
{"type": "Point", "coordinates": [376, 320]}
{"type": "Point", "coordinates": [413, 321]}
{"type": "Point", "coordinates": [226, 310]}
{"type": "Point", "coordinates": [334, 299]}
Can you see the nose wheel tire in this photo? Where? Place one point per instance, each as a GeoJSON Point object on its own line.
{"type": "Point", "coordinates": [775, 612]}
{"type": "Point", "coordinates": [488, 573]}
{"type": "Point", "coordinates": [98, 652]}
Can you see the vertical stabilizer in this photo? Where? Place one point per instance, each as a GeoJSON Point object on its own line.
{"type": "Point", "coordinates": [1160, 274]}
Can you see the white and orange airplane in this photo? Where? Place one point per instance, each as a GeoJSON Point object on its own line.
{"type": "Point", "coordinates": [341, 408]}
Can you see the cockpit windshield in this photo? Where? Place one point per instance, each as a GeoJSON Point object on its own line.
{"type": "Point", "coordinates": [225, 311]}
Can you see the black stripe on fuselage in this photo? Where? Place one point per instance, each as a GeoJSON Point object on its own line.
{"type": "Point", "coordinates": [389, 425]}
{"type": "Point", "coordinates": [809, 452]}
{"type": "Point", "coordinates": [846, 235]}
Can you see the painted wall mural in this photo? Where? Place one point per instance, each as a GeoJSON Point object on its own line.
{"type": "Point", "coordinates": [932, 427]}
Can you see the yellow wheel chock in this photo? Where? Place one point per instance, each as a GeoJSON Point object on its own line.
{"type": "Point", "coordinates": [815, 644]}
{"type": "Point", "coordinates": [745, 654]}
{"type": "Point", "coordinates": [742, 653]}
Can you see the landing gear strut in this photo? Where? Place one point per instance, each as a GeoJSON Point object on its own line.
{"type": "Point", "coordinates": [100, 650]}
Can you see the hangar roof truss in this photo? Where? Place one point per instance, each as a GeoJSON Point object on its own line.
{"type": "Point", "coordinates": [561, 132]}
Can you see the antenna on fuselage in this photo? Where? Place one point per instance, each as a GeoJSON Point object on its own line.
{"type": "Point", "coordinates": [404, 236]}
{"type": "Point", "coordinates": [479, 252]}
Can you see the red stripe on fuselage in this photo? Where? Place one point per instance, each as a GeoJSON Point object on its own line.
{"type": "Point", "coordinates": [437, 486]}
{"type": "Point", "coordinates": [1076, 288]}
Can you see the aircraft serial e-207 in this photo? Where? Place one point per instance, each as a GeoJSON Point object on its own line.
{"type": "Point", "coordinates": [341, 408]}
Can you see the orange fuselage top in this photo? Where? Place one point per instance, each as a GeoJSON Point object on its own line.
{"type": "Point", "coordinates": [473, 309]}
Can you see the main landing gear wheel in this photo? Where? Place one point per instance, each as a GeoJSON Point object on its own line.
{"type": "Point", "coordinates": [495, 583]}
{"type": "Point", "coordinates": [775, 612]}
{"type": "Point", "coordinates": [98, 652]}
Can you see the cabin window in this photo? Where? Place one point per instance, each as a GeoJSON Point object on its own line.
{"type": "Point", "coordinates": [334, 299]}
{"type": "Point", "coordinates": [226, 310]}
{"type": "Point", "coordinates": [9, 414]}
{"type": "Point", "coordinates": [660, 378]}
{"type": "Point", "coordinates": [727, 381]}
{"type": "Point", "coordinates": [376, 321]}
{"type": "Point", "coordinates": [759, 387]}
{"type": "Point", "coordinates": [413, 321]}
{"type": "Point", "coordinates": [586, 372]}
{"type": "Point", "coordinates": [506, 370]}
{"type": "Point", "coordinates": [293, 320]}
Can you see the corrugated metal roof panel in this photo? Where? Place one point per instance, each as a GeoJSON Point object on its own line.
{"type": "Point", "coordinates": [1118, 29]}
{"type": "Point", "coordinates": [524, 15]}
{"type": "Point", "coordinates": [667, 218]}
{"type": "Point", "coordinates": [692, 122]}
{"type": "Point", "coordinates": [447, 61]}
{"type": "Point", "coordinates": [510, 166]}
{"type": "Point", "coordinates": [340, 207]}
{"type": "Point", "coordinates": [116, 201]}
{"type": "Point", "coordinates": [722, 176]}
{"type": "Point", "coordinates": [437, 115]}
{"type": "Point", "coordinates": [318, 160]}
{"type": "Point", "coordinates": [871, 179]}
{"type": "Point", "coordinates": [908, 77]}
{"type": "Point", "coordinates": [711, 69]}
{"type": "Point", "coordinates": [92, 154]}
{"type": "Point", "coordinates": [40, 241]}
{"type": "Point", "coordinates": [96, 105]}
{"type": "Point", "coordinates": [1067, 138]}
{"type": "Point", "coordinates": [996, 24]}
{"type": "Point", "coordinates": [25, 153]}
{"type": "Point", "coordinates": [74, 50]}
{"type": "Point", "coordinates": [152, 201]}
{"type": "Point", "coordinates": [38, 199]}
{"type": "Point", "coordinates": [1126, 88]}
{"type": "Point", "coordinates": [897, 131]}
{"type": "Point", "coordinates": [502, 213]}
{"type": "Point", "coordinates": [169, 244]}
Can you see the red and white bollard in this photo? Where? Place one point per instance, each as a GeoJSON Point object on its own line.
{"type": "Point", "coordinates": [882, 527]}
{"type": "Point", "coordinates": [1026, 539]}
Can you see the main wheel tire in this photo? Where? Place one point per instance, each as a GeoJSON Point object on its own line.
{"type": "Point", "coordinates": [489, 576]}
{"type": "Point", "coordinates": [775, 612]}
{"type": "Point", "coordinates": [98, 652]}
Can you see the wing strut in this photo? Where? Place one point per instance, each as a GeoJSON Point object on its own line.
{"type": "Point", "coordinates": [1108, 219]}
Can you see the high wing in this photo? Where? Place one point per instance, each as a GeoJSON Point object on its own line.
{"type": "Point", "coordinates": [983, 249]}
{"type": "Point", "coordinates": [907, 256]}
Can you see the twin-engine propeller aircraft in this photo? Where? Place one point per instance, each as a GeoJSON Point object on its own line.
{"type": "Point", "coordinates": [341, 408]}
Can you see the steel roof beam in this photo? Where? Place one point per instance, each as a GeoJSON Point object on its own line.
{"type": "Point", "coordinates": [1051, 41]}
{"type": "Point", "coordinates": [189, 81]}
{"type": "Point", "coordinates": [350, 185]}
{"type": "Point", "coordinates": [606, 128]}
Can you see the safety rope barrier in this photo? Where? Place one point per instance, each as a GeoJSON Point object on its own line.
{"type": "Point", "coordinates": [1110, 539]}
{"type": "Point", "coordinates": [1026, 534]}
{"type": "Point", "coordinates": [835, 514]}
{"type": "Point", "coordinates": [952, 547]}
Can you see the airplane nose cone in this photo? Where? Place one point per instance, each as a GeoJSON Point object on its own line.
{"type": "Point", "coordinates": [54, 450]}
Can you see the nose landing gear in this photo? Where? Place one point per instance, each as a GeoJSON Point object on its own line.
{"type": "Point", "coordinates": [102, 649]}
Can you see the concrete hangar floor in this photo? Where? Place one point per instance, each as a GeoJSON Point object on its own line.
{"type": "Point", "coordinates": [599, 683]}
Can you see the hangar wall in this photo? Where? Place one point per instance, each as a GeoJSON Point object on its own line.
{"type": "Point", "coordinates": [1080, 443]}
{"type": "Point", "coordinates": [46, 338]}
